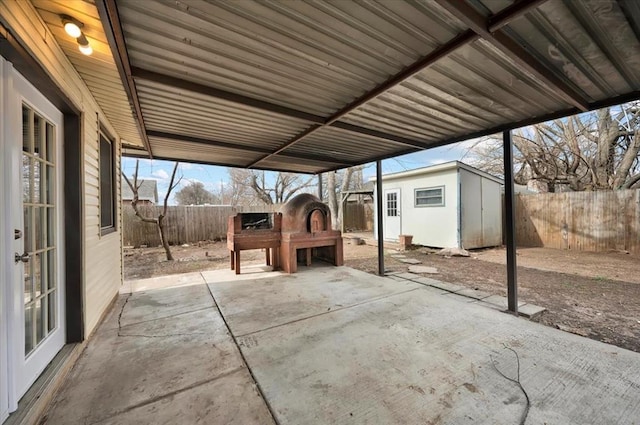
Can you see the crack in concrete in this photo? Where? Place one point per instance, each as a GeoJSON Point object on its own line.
{"type": "Point", "coordinates": [244, 360]}
{"type": "Point", "coordinates": [160, 397]}
{"type": "Point", "coordinates": [122, 312]}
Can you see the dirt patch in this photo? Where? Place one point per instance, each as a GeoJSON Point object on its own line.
{"type": "Point", "coordinates": [142, 263]}
{"type": "Point", "coordinates": [590, 294]}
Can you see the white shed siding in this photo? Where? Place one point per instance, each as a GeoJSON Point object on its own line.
{"type": "Point", "coordinates": [430, 226]}
{"type": "Point", "coordinates": [491, 213]}
{"type": "Point", "coordinates": [102, 259]}
{"type": "Point", "coordinates": [470, 210]}
{"type": "Point", "coordinates": [481, 211]}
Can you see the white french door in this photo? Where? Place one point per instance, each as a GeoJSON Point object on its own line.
{"type": "Point", "coordinates": [35, 287]}
{"type": "Point", "coordinates": [392, 219]}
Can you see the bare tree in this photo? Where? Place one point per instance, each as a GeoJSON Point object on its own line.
{"type": "Point", "coordinates": [158, 221]}
{"type": "Point", "coordinates": [339, 182]}
{"type": "Point", "coordinates": [268, 187]}
{"type": "Point", "coordinates": [195, 194]}
{"type": "Point", "coordinates": [593, 151]}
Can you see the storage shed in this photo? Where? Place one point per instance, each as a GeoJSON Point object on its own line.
{"type": "Point", "coordinates": [445, 205]}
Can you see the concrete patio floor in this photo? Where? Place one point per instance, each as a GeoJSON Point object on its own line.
{"type": "Point", "coordinates": [334, 345]}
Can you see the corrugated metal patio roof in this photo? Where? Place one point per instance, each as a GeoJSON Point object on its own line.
{"type": "Point", "coordinates": [316, 86]}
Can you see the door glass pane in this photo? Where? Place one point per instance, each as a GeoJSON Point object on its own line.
{"type": "Point", "coordinates": [36, 181]}
{"type": "Point", "coordinates": [37, 281]}
{"type": "Point", "coordinates": [27, 233]}
{"type": "Point", "coordinates": [50, 143]}
{"type": "Point", "coordinates": [38, 135]}
{"type": "Point", "coordinates": [26, 130]}
{"type": "Point", "coordinates": [48, 186]}
{"type": "Point", "coordinates": [51, 269]}
{"type": "Point", "coordinates": [51, 311]}
{"type": "Point", "coordinates": [41, 320]}
{"type": "Point", "coordinates": [28, 283]}
{"type": "Point", "coordinates": [26, 178]}
{"type": "Point", "coordinates": [38, 218]}
{"type": "Point", "coordinates": [51, 217]}
{"type": "Point", "coordinates": [28, 328]}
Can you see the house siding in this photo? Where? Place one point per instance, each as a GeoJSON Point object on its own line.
{"type": "Point", "coordinates": [102, 254]}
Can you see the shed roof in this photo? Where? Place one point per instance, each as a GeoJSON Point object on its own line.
{"type": "Point", "coordinates": [147, 191]}
{"type": "Point", "coordinates": [315, 86]}
{"type": "Point", "coordinates": [438, 168]}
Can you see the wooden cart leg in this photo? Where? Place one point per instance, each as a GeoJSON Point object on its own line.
{"type": "Point", "coordinates": [237, 261]}
{"type": "Point", "coordinates": [308, 257]}
{"type": "Point", "coordinates": [276, 258]}
{"type": "Point", "coordinates": [268, 255]}
{"type": "Point", "coordinates": [233, 264]}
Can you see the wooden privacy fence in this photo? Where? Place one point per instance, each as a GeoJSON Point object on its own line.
{"type": "Point", "coordinates": [584, 221]}
{"type": "Point", "coordinates": [184, 224]}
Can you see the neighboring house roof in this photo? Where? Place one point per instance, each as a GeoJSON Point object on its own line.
{"type": "Point", "coordinates": [147, 191]}
{"type": "Point", "coordinates": [438, 168]}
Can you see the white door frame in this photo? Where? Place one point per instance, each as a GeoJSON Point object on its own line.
{"type": "Point", "coordinates": [6, 269]}
{"type": "Point", "coordinates": [22, 372]}
{"type": "Point", "coordinates": [386, 233]}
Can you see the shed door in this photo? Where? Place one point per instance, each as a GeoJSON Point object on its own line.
{"type": "Point", "coordinates": [392, 204]}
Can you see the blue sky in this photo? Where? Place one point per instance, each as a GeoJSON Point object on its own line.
{"type": "Point", "coordinates": [214, 177]}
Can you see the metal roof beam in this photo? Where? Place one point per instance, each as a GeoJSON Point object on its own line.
{"type": "Point", "coordinates": [179, 83]}
{"type": "Point", "coordinates": [513, 50]}
{"type": "Point", "coordinates": [110, 19]}
{"type": "Point", "coordinates": [245, 148]}
{"type": "Point", "coordinates": [437, 54]}
{"type": "Point", "coordinates": [500, 19]}
{"type": "Point", "coordinates": [175, 82]}
{"type": "Point", "coordinates": [511, 13]}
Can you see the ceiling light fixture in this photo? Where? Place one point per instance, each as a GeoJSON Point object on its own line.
{"type": "Point", "coordinates": [73, 27]}
{"type": "Point", "coordinates": [83, 45]}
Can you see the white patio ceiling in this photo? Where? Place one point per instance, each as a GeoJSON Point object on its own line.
{"type": "Point", "coordinates": [316, 86]}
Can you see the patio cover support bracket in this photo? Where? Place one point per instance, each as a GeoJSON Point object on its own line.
{"type": "Point", "coordinates": [380, 217]}
{"type": "Point", "coordinates": [510, 228]}
{"type": "Point", "coordinates": [514, 51]}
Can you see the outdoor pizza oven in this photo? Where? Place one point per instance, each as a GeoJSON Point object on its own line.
{"type": "Point", "coordinates": [254, 231]}
{"type": "Point", "coordinates": [307, 233]}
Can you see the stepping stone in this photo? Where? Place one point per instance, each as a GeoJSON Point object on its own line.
{"type": "Point", "coordinates": [397, 256]}
{"type": "Point", "coordinates": [410, 261]}
{"type": "Point", "coordinates": [472, 293]}
{"type": "Point", "coordinates": [423, 269]}
{"type": "Point", "coordinates": [530, 311]}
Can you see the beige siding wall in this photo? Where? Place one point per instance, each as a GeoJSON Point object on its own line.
{"type": "Point", "coordinates": [103, 257]}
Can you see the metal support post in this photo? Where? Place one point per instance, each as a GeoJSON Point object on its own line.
{"type": "Point", "coordinates": [510, 228]}
{"type": "Point", "coordinates": [379, 210]}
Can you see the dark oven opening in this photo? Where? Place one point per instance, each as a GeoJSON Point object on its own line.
{"type": "Point", "coordinates": [254, 221]}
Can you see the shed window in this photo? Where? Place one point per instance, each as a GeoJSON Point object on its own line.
{"type": "Point", "coordinates": [430, 197]}
{"type": "Point", "coordinates": [107, 187]}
